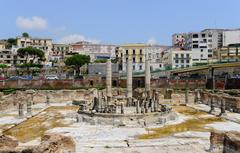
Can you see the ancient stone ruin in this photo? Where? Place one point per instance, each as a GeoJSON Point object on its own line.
{"type": "Point", "coordinates": [140, 110]}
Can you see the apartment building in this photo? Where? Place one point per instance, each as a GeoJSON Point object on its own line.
{"type": "Point", "coordinates": [40, 43]}
{"type": "Point", "coordinates": [2, 44]}
{"type": "Point", "coordinates": [177, 58]}
{"type": "Point", "coordinates": [154, 53]}
{"type": "Point", "coordinates": [95, 51]}
{"type": "Point", "coordinates": [9, 58]}
{"type": "Point", "coordinates": [231, 37]}
{"type": "Point", "coordinates": [59, 52]}
{"type": "Point", "coordinates": [229, 54]}
{"type": "Point", "coordinates": [135, 52]}
{"type": "Point", "coordinates": [179, 39]}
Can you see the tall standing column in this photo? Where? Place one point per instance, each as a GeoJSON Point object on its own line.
{"type": "Point", "coordinates": [109, 81]}
{"type": "Point", "coordinates": [129, 80]}
{"type": "Point", "coordinates": [20, 110]}
{"type": "Point", "coordinates": [147, 78]}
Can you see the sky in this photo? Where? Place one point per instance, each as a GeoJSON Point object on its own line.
{"type": "Point", "coordinates": [115, 21]}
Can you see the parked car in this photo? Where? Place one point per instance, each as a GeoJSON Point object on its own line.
{"type": "Point", "coordinates": [51, 77]}
{"type": "Point", "coordinates": [2, 78]}
{"type": "Point", "coordinates": [28, 77]}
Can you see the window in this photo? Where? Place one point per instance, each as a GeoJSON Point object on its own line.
{"type": "Point", "coordinates": [195, 46]}
{"type": "Point", "coordinates": [209, 55]}
{"type": "Point", "coordinates": [209, 35]}
{"type": "Point", "coordinates": [176, 55]}
{"type": "Point", "coordinates": [195, 35]}
{"type": "Point", "coordinates": [160, 65]}
{"type": "Point", "coordinates": [140, 67]}
{"type": "Point", "coordinates": [182, 55]}
{"type": "Point", "coordinates": [133, 67]}
{"type": "Point", "coordinates": [134, 52]}
{"type": "Point", "coordinates": [134, 60]}
{"type": "Point", "coordinates": [140, 59]}
{"type": "Point", "coordinates": [187, 61]}
{"type": "Point", "coordinates": [203, 35]}
{"type": "Point", "coordinates": [126, 59]}
{"type": "Point", "coordinates": [187, 65]}
{"type": "Point", "coordinates": [8, 56]}
{"type": "Point", "coordinates": [201, 55]}
{"type": "Point", "coordinates": [195, 42]}
{"type": "Point", "coordinates": [210, 51]}
{"type": "Point", "coordinates": [187, 55]}
{"type": "Point", "coordinates": [176, 61]}
{"type": "Point", "coordinates": [140, 51]}
{"type": "Point", "coordinates": [201, 50]}
{"type": "Point", "coordinates": [126, 52]}
{"type": "Point", "coordinates": [182, 61]}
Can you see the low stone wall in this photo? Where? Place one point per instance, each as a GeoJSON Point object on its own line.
{"type": "Point", "coordinates": [126, 119]}
{"type": "Point", "coordinates": [224, 142]}
{"type": "Point", "coordinates": [39, 96]}
{"type": "Point", "coordinates": [231, 103]}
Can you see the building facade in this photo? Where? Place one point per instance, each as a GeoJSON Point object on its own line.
{"type": "Point", "coordinates": [95, 51]}
{"type": "Point", "coordinates": [134, 52]}
{"type": "Point", "coordinates": [9, 58]}
{"type": "Point", "coordinates": [229, 54]}
{"type": "Point", "coordinates": [154, 53]}
{"type": "Point", "coordinates": [59, 52]}
{"type": "Point", "coordinates": [231, 37]}
{"type": "Point", "coordinates": [179, 40]}
{"type": "Point", "coordinates": [40, 43]}
{"type": "Point", "coordinates": [177, 58]}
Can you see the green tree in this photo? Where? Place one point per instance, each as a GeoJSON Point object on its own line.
{"type": "Point", "coordinates": [31, 52]}
{"type": "Point", "coordinates": [100, 61]}
{"type": "Point", "coordinates": [25, 34]}
{"type": "Point", "coordinates": [77, 61]}
{"type": "Point", "coordinates": [11, 42]}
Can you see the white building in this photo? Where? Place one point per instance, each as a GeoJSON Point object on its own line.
{"type": "Point", "coordinates": [177, 58]}
{"type": "Point", "coordinates": [95, 51]}
{"type": "Point", "coordinates": [231, 37]}
{"type": "Point", "coordinates": [154, 53]}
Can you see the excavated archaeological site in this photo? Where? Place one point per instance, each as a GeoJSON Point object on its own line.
{"type": "Point", "coordinates": [116, 120]}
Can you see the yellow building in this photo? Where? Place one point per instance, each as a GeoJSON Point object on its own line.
{"type": "Point", "coordinates": [229, 54]}
{"type": "Point", "coordinates": [2, 45]}
{"type": "Point", "coordinates": [135, 52]}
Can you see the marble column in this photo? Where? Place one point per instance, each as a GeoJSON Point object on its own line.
{"type": "Point", "coordinates": [223, 107]}
{"type": "Point", "coordinates": [29, 105]}
{"type": "Point", "coordinates": [137, 107]}
{"type": "Point", "coordinates": [20, 110]}
{"type": "Point", "coordinates": [122, 108]}
{"type": "Point", "coordinates": [129, 80]}
{"type": "Point", "coordinates": [47, 100]}
{"type": "Point", "coordinates": [186, 96]}
{"type": "Point", "coordinates": [147, 77]}
{"type": "Point", "coordinates": [109, 81]}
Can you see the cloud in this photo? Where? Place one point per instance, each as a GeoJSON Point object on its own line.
{"type": "Point", "coordinates": [152, 41]}
{"type": "Point", "coordinates": [76, 38]}
{"type": "Point", "coordinates": [34, 23]}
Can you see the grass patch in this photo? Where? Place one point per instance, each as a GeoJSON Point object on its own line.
{"type": "Point", "coordinates": [189, 125]}
{"type": "Point", "coordinates": [36, 126]}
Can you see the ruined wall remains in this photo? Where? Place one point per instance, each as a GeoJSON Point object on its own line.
{"type": "Point", "coordinates": [232, 103]}
{"type": "Point", "coordinates": [224, 142]}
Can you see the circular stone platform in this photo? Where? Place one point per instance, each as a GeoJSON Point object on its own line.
{"type": "Point", "coordinates": [151, 118]}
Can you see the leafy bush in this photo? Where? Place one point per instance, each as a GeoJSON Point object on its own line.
{"type": "Point", "coordinates": [3, 66]}
{"type": "Point", "coordinates": [29, 65]}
